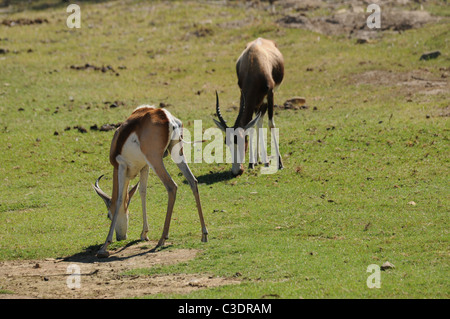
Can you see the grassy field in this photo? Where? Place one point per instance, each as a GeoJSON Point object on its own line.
{"type": "Point", "coordinates": [366, 177]}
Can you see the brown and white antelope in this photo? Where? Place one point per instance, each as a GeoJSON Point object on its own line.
{"type": "Point", "coordinates": [141, 142]}
{"type": "Point", "coordinates": [260, 70]}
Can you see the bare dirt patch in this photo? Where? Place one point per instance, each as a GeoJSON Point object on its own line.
{"type": "Point", "coordinates": [353, 24]}
{"type": "Point", "coordinates": [103, 278]}
{"type": "Point", "coordinates": [349, 17]}
{"type": "Point", "coordinates": [412, 82]}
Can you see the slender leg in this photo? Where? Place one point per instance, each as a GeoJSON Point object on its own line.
{"type": "Point", "coordinates": [171, 186]}
{"type": "Point", "coordinates": [253, 152]}
{"type": "Point", "coordinates": [184, 168]}
{"type": "Point", "coordinates": [272, 126]}
{"type": "Point", "coordinates": [142, 192]}
{"type": "Point", "coordinates": [261, 146]}
{"type": "Point", "coordinates": [102, 253]}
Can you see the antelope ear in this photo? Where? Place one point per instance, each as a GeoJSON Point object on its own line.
{"type": "Point", "coordinates": [219, 125]}
{"type": "Point", "coordinates": [131, 193]}
{"type": "Point", "coordinates": [252, 122]}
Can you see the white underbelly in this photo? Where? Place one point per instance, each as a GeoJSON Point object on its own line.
{"type": "Point", "coordinates": [133, 156]}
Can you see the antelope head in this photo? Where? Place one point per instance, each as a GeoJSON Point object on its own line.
{"type": "Point", "coordinates": [122, 218]}
{"type": "Point", "coordinates": [235, 135]}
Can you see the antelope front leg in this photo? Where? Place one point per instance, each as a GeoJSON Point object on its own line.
{"type": "Point", "coordinates": [272, 127]}
{"type": "Point", "coordinates": [261, 145]}
{"type": "Point", "coordinates": [103, 252]}
{"type": "Point", "coordinates": [253, 151]}
{"type": "Point", "coordinates": [193, 183]}
{"type": "Point", "coordinates": [171, 187]}
{"type": "Point", "coordinates": [142, 192]}
{"type": "Point", "coordinates": [277, 149]}
{"type": "Point", "coordinates": [172, 192]}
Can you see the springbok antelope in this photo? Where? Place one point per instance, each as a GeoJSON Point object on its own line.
{"type": "Point", "coordinates": [141, 142]}
{"type": "Point", "coordinates": [260, 70]}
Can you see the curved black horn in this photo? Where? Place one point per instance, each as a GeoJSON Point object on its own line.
{"type": "Point", "coordinates": [101, 193]}
{"type": "Point", "coordinates": [219, 115]}
{"type": "Point", "coordinates": [96, 182]}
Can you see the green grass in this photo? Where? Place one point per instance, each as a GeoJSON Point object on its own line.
{"type": "Point", "coordinates": [310, 230]}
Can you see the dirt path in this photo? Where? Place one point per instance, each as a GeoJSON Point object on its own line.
{"type": "Point", "coordinates": [103, 278]}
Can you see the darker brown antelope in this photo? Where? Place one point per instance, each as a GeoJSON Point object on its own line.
{"type": "Point", "coordinates": [141, 142]}
{"type": "Point", "coordinates": [260, 70]}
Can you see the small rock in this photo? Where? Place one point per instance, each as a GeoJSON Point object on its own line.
{"type": "Point", "coordinates": [361, 41]}
{"type": "Point", "coordinates": [430, 55]}
{"type": "Point", "coordinates": [295, 101]}
{"type": "Point", "coordinates": [387, 265]}
{"type": "Point", "coordinates": [107, 127]}
{"type": "Point", "coordinates": [80, 129]}
{"type": "Point", "coordinates": [412, 203]}
{"type": "Point", "coordinates": [299, 169]}
{"type": "Point", "coordinates": [195, 283]}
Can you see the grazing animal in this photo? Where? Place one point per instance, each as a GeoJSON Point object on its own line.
{"type": "Point", "coordinates": [139, 143]}
{"type": "Point", "coordinates": [260, 70]}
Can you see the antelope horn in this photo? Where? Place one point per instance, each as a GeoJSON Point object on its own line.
{"type": "Point", "coordinates": [219, 115]}
{"type": "Point", "coordinates": [101, 193]}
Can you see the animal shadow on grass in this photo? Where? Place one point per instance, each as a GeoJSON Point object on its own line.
{"type": "Point", "coordinates": [213, 177]}
{"type": "Point", "coordinates": [89, 254]}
